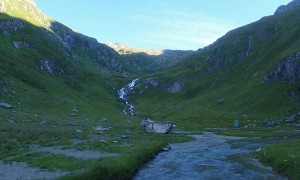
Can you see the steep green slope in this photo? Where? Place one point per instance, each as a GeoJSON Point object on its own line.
{"type": "Point", "coordinates": [247, 74]}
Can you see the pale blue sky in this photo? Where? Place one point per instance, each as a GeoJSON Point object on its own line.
{"type": "Point", "coordinates": [158, 24]}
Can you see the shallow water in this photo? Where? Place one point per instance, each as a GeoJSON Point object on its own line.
{"type": "Point", "coordinates": [210, 156]}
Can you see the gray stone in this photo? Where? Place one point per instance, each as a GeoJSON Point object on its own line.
{"type": "Point", "coordinates": [125, 137]}
{"type": "Point", "coordinates": [177, 87]}
{"type": "Point", "coordinates": [221, 101]}
{"type": "Point", "coordinates": [78, 131]}
{"type": "Point", "coordinates": [71, 124]}
{"type": "Point", "coordinates": [75, 110]}
{"type": "Point", "coordinates": [5, 106]}
{"type": "Point", "coordinates": [100, 128]}
{"type": "Point", "coordinates": [167, 148]}
{"type": "Point", "coordinates": [151, 81]}
{"type": "Point", "coordinates": [43, 123]}
{"type": "Point", "coordinates": [151, 126]}
{"type": "Point", "coordinates": [103, 119]}
{"type": "Point", "coordinates": [236, 124]}
{"type": "Point", "coordinates": [11, 121]}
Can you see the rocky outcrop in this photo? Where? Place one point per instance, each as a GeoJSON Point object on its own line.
{"type": "Point", "coordinates": [151, 81]}
{"type": "Point", "coordinates": [20, 45]}
{"type": "Point", "coordinates": [49, 66]}
{"type": "Point", "coordinates": [99, 53]}
{"type": "Point", "coordinates": [285, 8]}
{"type": "Point", "coordinates": [287, 70]}
{"type": "Point", "coordinates": [177, 87]}
{"type": "Point", "coordinates": [11, 25]}
{"type": "Point", "coordinates": [2, 7]}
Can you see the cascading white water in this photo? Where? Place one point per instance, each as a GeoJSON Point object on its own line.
{"type": "Point", "coordinates": [123, 94]}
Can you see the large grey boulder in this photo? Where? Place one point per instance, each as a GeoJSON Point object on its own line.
{"type": "Point", "coordinates": [150, 126]}
{"type": "Point", "coordinates": [5, 106]}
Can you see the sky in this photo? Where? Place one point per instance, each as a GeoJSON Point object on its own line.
{"type": "Point", "coordinates": [158, 24]}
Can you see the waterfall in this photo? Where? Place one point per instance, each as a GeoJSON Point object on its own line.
{"type": "Point", "coordinates": [123, 95]}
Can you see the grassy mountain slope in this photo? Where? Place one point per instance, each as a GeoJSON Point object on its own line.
{"type": "Point", "coordinates": [63, 86]}
{"type": "Point", "coordinates": [232, 70]}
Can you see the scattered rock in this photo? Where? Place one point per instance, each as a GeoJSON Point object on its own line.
{"type": "Point", "coordinates": [75, 110]}
{"type": "Point", "coordinates": [125, 137]}
{"type": "Point", "coordinates": [100, 128]}
{"type": "Point", "coordinates": [220, 101]}
{"type": "Point", "coordinates": [177, 87]}
{"type": "Point", "coordinates": [71, 124]}
{"type": "Point", "coordinates": [11, 121]}
{"type": "Point", "coordinates": [78, 131]}
{"type": "Point", "coordinates": [43, 123]}
{"type": "Point", "coordinates": [151, 81]}
{"type": "Point", "coordinates": [103, 119]}
{"type": "Point", "coordinates": [20, 45]}
{"type": "Point", "coordinates": [5, 106]}
{"type": "Point", "coordinates": [167, 148]}
{"type": "Point", "coordinates": [236, 124]}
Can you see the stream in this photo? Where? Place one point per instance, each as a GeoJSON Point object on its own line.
{"type": "Point", "coordinates": [210, 156]}
{"type": "Point", "coordinates": [123, 95]}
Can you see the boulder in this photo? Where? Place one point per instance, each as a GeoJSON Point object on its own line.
{"type": "Point", "coordinates": [150, 126]}
{"type": "Point", "coordinates": [167, 148]}
{"type": "Point", "coordinates": [236, 124]}
{"type": "Point", "coordinates": [100, 128]}
{"type": "Point", "coordinates": [220, 101]}
{"type": "Point", "coordinates": [5, 106]}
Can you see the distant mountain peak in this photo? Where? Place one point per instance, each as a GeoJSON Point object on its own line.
{"type": "Point", "coordinates": [127, 49]}
{"type": "Point", "coordinates": [289, 6]}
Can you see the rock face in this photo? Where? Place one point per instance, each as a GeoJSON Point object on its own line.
{"type": "Point", "coordinates": [287, 70]}
{"type": "Point", "coordinates": [2, 7]}
{"type": "Point", "coordinates": [284, 8]}
{"type": "Point", "coordinates": [11, 25]}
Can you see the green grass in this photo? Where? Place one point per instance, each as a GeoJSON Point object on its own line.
{"type": "Point", "coordinates": [283, 157]}
{"type": "Point", "coordinates": [123, 167]}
